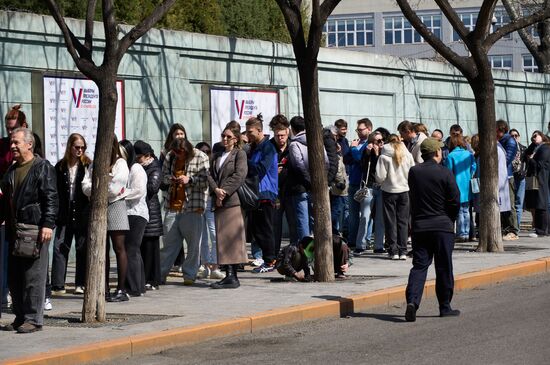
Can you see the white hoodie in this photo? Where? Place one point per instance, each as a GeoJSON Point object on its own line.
{"type": "Point", "coordinates": [393, 178]}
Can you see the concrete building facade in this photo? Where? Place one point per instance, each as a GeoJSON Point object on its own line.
{"type": "Point", "coordinates": [378, 26]}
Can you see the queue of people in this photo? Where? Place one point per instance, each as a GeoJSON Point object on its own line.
{"type": "Point", "coordinates": [193, 195]}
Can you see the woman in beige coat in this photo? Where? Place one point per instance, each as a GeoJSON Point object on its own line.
{"type": "Point", "coordinates": [227, 172]}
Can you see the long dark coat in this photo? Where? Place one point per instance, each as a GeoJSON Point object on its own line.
{"type": "Point", "coordinates": [539, 165]}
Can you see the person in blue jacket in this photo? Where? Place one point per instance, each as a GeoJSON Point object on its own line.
{"type": "Point", "coordinates": [462, 164]}
{"type": "Point", "coordinates": [509, 222]}
{"type": "Point", "coordinates": [263, 163]}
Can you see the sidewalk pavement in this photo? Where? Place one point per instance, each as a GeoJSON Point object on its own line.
{"type": "Point", "coordinates": [194, 313]}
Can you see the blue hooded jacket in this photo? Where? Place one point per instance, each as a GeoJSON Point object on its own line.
{"type": "Point", "coordinates": [510, 147]}
{"type": "Point", "coordinates": [263, 163]}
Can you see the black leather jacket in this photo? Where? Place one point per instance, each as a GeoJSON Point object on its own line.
{"type": "Point", "coordinates": [36, 200]}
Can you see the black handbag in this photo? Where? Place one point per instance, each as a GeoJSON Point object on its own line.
{"type": "Point", "coordinates": [249, 194]}
{"type": "Point", "coordinates": [26, 241]}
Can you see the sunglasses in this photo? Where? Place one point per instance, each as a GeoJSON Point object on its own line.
{"type": "Point", "coordinates": [80, 148]}
{"type": "Point", "coordinates": [379, 141]}
{"type": "Point", "coordinates": [225, 136]}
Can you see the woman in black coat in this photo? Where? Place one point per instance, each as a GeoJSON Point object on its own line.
{"type": "Point", "coordinates": [150, 245]}
{"type": "Point", "coordinates": [538, 164]}
{"type": "Point", "coordinates": [72, 220]}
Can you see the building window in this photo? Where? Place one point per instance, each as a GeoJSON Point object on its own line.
{"type": "Point", "coordinates": [502, 19]}
{"type": "Point", "coordinates": [398, 30]}
{"type": "Point", "coordinates": [470, 20]}
{"type": "Point", "coordinates": [501, 62]}
{"type": "Point", "coordinates": [349, 32]}
{"type": "Point", "coordinates": [529, 64]}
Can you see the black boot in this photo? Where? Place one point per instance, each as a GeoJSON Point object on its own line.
{"type": "Point", "coordinates": [230, 281]}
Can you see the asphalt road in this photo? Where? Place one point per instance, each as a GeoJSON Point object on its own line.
{"type": "Point", "coordinates": [505, 324]}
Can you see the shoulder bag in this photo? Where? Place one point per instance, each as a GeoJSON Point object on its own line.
{"type": "Point", "coordinates": [364, 192]}
{"type": "Point", "coordinates": [249, 194]}
{"type": "Point", "coordinates": [26, 241]}
{"type": "Point", "coordinates": [531, 182]}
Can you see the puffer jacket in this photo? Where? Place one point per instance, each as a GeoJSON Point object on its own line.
{"type": "Point", "coordinates": [154, 226]}
{"type": "Point", "coordinates": [36, 200]}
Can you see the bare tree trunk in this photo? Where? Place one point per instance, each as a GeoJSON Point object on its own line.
{"type": "Point", "coordinates": [322, 228]}
{"type": "Point", "coordinates": [93, 307]}
{"type": "Point", "coordinates": [490, 237]}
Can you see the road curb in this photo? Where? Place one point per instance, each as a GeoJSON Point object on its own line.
{"type": "Point", "coordinates": [332, 307]}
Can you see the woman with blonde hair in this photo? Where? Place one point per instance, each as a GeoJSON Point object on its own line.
{"type": "Point", "coordinates": [72, 220]}
{"type": "Point", "coordinates": [392, 172]}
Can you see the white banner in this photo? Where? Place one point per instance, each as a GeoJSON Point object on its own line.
{"type": "Point", "coordinates": [71, 105]}
{"type": "Point", "coordinates": [239, 105]}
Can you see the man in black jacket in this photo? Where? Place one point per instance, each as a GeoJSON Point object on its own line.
{"type": "Point", "coordinates": [435, 200]}
{"type": "Point", "coordinates": [30, 197]}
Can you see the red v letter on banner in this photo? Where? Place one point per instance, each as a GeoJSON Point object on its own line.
{"type": "Point", "coordinates": [239, 110]}
{"type": "Point", "coordinates": [76, 99]}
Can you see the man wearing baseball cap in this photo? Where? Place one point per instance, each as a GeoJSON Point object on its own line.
{"type": "Point", "coordinates": [435, 200]}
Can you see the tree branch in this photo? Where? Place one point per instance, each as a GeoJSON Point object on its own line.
{"type": "Point", "coordinates": [139, 30]}
{"type": "Point", "coordinates": [110, 29]}
{"type": "Point", "coordinates": [453, 18]}
{"type": "Point", "coordinates": [293, 19]}
{"type": "Point", "coordinates": [89, 34]}
{"type": "Point", "coordinates": [518, 24]}
{"type": "Point", "coordinates": [484, 18]}
{"type": "Point", "coordinates": [326, 9]}
{"type": "Point", "coordinates": [525, 35]}
{"type": "Point", "coordinates": [77, 51]}
{"type": "Point", "coordinates": [464, 64]}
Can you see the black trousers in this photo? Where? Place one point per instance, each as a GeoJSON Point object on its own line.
{"type": "Point", "coordinates": [285, 208]}
{"type": "Point", "coordinates": [542, 222]}
{"type": "Point", "coordinates": [135, 276]}
{"type": "Point", "coordinates": [150, 254]}
{"type": "Point", "coordinates": [439, 247]}
{"type": "Point", "coordinates": [396, 221]}
{"type": "Point", "coordinates": [61, 248]}
{"type": "Point", "coordinates": [27, 283]}
{"type": "Point", "coordinates": [260, 229]}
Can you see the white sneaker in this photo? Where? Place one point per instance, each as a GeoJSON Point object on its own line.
{"type": "Point", "coordinates": [533, 235]}
{"type": "Point", "coordinates": [402, 257]}
{"type": "Point", "coordinates": [258, 262]}
{"type": "Point", "coordinates": [48, 305]}
{"type": "Point", "coordinates": [203, 272]}
{"type": "Point", "coordinates": [510, 237]}
{"type": "Point", "coordinates": [79, 290]}
{"type": "Point", "coordinates": [395, 257]}
{"type": "Point", "coordinates": [217, 274]}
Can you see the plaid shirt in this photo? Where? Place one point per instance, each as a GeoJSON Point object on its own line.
{"type": "Point", "coordinates": [196, 191]}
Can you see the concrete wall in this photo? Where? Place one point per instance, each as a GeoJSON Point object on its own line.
{"type": "Point", "coordinates": [167, 76]}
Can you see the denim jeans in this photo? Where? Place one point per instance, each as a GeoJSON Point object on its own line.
{"type": "Point", "coordinates": [519, 187]}
{"type": "Point", "coordinates": [208, 247]}
{"type": "Point", "coordinates": [178, 227]}
{"type": "Point", "coordinates": [378, 205]}
{"type": "Point", "coordinates": [463, 221]}
{"type": "Point", "coordinates": [337, 203]}
{"type": "Point", "coordinates": [354, 209]}
{"type": "Point", "coordinates": [364, 217]}
{"type": "Point", "coordinates": [303, 209]}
